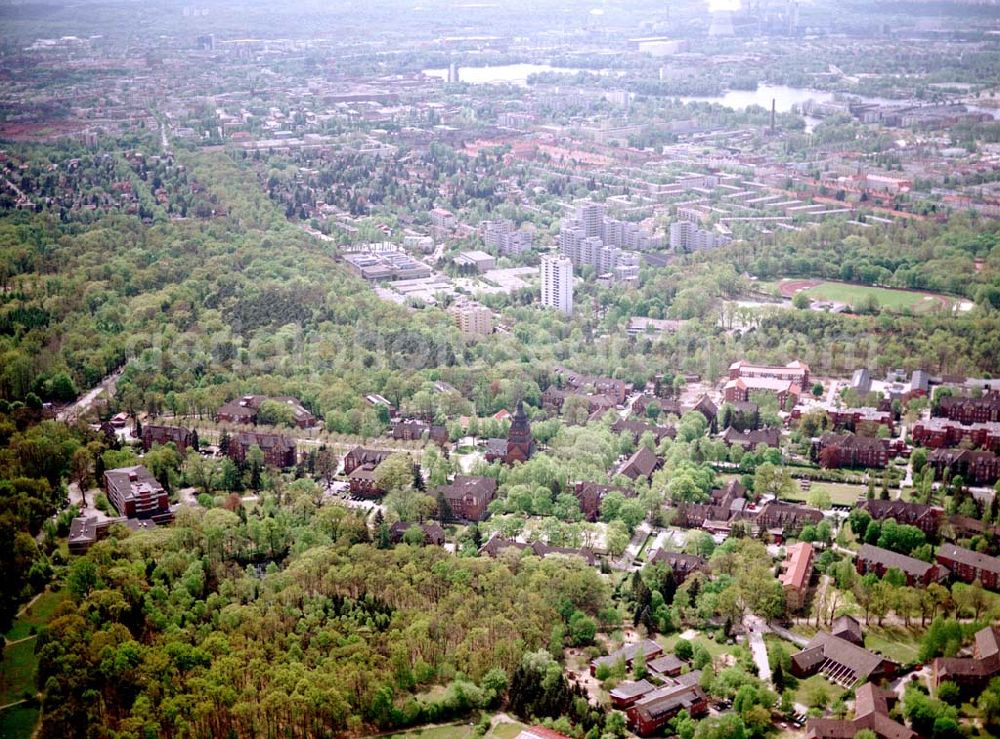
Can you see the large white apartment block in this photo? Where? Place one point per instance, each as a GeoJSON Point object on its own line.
{"type": "Point", "coordinates": [557, 283]}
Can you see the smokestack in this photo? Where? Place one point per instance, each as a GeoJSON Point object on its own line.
{"type": "Point", "coordinates": [772, 115]}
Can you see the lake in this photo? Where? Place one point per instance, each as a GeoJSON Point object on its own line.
{"type": "Point", "coordinates": [784, 97]}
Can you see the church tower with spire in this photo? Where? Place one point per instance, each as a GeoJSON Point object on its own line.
{"type": "Point", "coordinates": [520, 445]}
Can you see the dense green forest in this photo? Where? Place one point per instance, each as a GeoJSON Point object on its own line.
{"type": "Point", "coordinates": [168, 633]}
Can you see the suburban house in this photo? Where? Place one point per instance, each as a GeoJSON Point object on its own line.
{"type": "Point", "coordinates": [627, 654]}
{"type": "Point", "coordinates": [741, 415]}
{"type": "Point", "coordinates": [246, 409]}
{"type": "Point", "coordinates": [654, 710]}
{"type": "Point", "coordinates": [416, 430]}
{"type": "Point", "coordinates": [878, 560]}
{"type": "Point", "coordinates": [969, 566]}
{"type": "Point", "coordinates": [638, 428]}
{"type": "Point", "coordinates": [615, 389]}
{"type": "Point", "coordinates": [642, 463]}
{"type": "Point", "coordinates": [361, 481]}
{"type": "Point", "coordinates": [682, 565]}
{"type": "Point", "coordinates": [468, 497]}
{"type": "Point", "coordinates": [729, 506]}
{"type": "Point", "coordinates": [871, 711]}
{"type": "Point", "coordinates": [433, 533]}
{"type": "Point", "coordinates": [497, 544]}
{"type": "Point", "coordinates": [975, 468]}
{"type": "Point", "coordinates": [927, 518]}
{"type": "Point", "coordinates": [590, 495]}
{"type": "Point", "coordinates": [279, 451]}
{"type": "Point", "coordinates": [798, 566]}
{"type": "Point", "coordinates": [841, 661]}
{"type": "Point", "coordinates": [777, 514]}
{"type": "Point", "coordinates": [181, 438]}
{"type": "Point", "coordinates": [360, 456]}
{"type": "Point", "coordinates": [85, 531]}
{"type": "Point", "coordinates": [751, 439]}
{"type": "Point", "coordinates": [707, 408]}
{"type": "Point", "coordinates": [975, 672]}
{"type": "Point", "coordinates": [135, 493]}
{"type": "Point", "coordinates": [553, 399]}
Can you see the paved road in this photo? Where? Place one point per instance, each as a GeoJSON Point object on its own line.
{"type": "Point", "coordinates": [755, 627]}
{"type": "Point", "coordinates": [642, 532]}
{"type": "Point", "coordinates": [83, 404]}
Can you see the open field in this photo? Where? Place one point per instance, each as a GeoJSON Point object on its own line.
{"type": "Point", "coordinates": [840, 493]}
{"type": "Point", "coordinates": [18, 722]}
{"type": "Point", "coordinates": [36, 616]}
{"type": "Point", "coordinates": [458, 730]}
{"type": "Point", "coordinates": [18, 673]}
{"type": "Point", "coordinates": [462, 730]}
{"type": "Point", "coordinates": [896, 642]}
{"type": "Point", "coordinates": [855, 295]}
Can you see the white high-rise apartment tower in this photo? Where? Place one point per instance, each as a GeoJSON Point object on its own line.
{"type": "Point", "coordinates": [557, 283]}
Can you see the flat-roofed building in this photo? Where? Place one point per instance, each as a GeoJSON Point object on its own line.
{"type": "Point", "coordinates": [135, 493]}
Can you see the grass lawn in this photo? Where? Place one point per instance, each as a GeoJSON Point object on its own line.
{"type": "Point", "coordinates": [894, 300]}
{"type": "Point", "coordinates": [460, 730]}
{"type": "Point", "coordinates": [789, 647]}
{"type": "Point", "coordinates": [18, 722]}
{"type": "Point", "coordinates": [714, 648]}
{"type": "Point", "coordinates": [38, 615]}
{"type": "Point", "coordinates": [18, 673]}
{"type": "Point", "coordinates": [841, 493]}
{"type": "Point", "coordinates": [807, 686]}
{"type": "Point", "coordinates": [506, 731]}
{"type": "Point", "coordinates": [896, 642]}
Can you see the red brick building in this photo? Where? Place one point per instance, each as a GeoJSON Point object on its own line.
{"type": "Point", "coordinates": [680, 564]}
{"type": "Point", "coordinates": [246, 409]}
{"type": "Point", "coordinates": [975, 468]}
{"type": "Point", "coordinates": [360, 456]}
{"type": "Point", "coordinates": [834, 451]}
{"type": "Point", "coordinates": [943, 433]}
{"type": "Point", "coordinates": [969, 566]}
{"type": "Point", "coordinates": [182, 438]}
{"type": "Point", "coordinates": [878, 560]}
{"type": "Point", "coordinates": [927, 518]}
{"type": "Point", "coordinates": [279, 451]}
{"type": "Point", "coordinates": [871, 711]}
{"type": "Point", "coordinates": [654, 710]}
{"type": "Point", "coordinates": [972, 673]}
{"type": "Point", "coordinates": [971, 410]}
{"type": "Point", "coordinates": [469, 497]}
{"type": "Point", "coordinates": [851, 419]}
